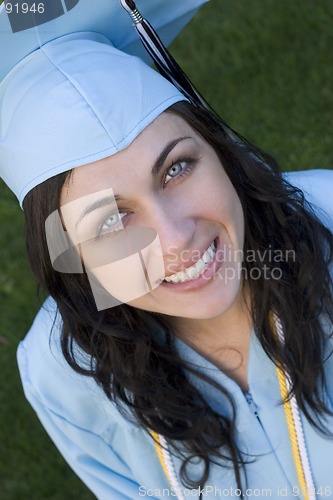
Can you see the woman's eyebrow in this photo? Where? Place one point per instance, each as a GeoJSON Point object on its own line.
{"type": "Point", "coordinates": [164, 153]}
{"type": "Point", "coordinates": [102, 202]}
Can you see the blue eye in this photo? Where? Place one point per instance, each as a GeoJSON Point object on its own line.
{"type": "Point", "coordinates": [175, 170]}
{"type": "Point", "coordinates": [112, 223]}
{"type": "Point", "coordinates": [179, 169]}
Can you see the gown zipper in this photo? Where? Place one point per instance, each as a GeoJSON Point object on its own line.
{"type": "Point", "coordinates": [251, 403]}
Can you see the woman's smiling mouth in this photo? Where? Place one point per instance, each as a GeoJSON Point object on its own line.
{"type": "Point", "coordinates": [197, 274]}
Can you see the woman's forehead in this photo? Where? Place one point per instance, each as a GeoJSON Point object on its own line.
{"type": "Point", "coordinates": [168, 129]}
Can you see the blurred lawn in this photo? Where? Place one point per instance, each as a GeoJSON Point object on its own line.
{"type": "Point", "coordinates": [266, 67]}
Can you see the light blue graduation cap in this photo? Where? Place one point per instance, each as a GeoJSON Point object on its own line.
{"type": "Point", "coordinates": [75, 83]}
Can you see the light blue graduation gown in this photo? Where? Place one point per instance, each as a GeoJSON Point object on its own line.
{"type": "Point", "coordinates": [117, 459]}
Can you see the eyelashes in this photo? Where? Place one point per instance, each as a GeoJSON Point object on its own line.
{"type": "Point", "coordinates": [179, 169]}
{"type": "Point", "coordinates": [114, 228]}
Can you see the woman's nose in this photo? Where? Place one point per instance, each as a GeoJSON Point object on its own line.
{"type": "Point", "coordinates": [174, 226]}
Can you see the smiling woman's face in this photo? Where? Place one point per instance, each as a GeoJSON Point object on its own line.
{"type": "Point", "coordinates": [168, 205]}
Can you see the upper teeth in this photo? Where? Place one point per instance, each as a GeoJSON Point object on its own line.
{"type": "Point", "coordinates": [193, 272]}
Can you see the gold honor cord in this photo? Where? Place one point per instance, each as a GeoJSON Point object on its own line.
{"type": "Point", "coordinates": [165, 460]}
{"type": "Point", "coordinates": [292, 433]}
{"type": "Point", "coordinates": [294, 423]}
{"type": "Point", "coordinates": [158, 447]}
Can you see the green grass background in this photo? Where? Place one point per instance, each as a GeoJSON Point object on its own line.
{"type": "Point", "coordinates": [266, 66]}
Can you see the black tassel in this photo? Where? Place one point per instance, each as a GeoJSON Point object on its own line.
{"type": "Point", "coordinates": [163, 60]}
{"type": "Point", "coordinates": [168, 67]}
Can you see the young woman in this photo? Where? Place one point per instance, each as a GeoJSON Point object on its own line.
{"type": "Point", "coordinates": [186, 346]}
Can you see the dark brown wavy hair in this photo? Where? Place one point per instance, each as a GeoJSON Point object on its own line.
{"type": "Point", "coordinates": [144, 376]}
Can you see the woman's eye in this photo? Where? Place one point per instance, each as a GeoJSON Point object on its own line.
{"type": "Point", "coordinates": [177, 170]}
{"type": "Point", "coordinates": [112, 223]}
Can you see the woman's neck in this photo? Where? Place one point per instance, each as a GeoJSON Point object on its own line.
{"type": "Point", "coordinates": [223, 340]}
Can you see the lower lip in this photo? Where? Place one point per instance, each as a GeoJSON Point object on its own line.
{"type": "Point", "coordinates": [203, 279]}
